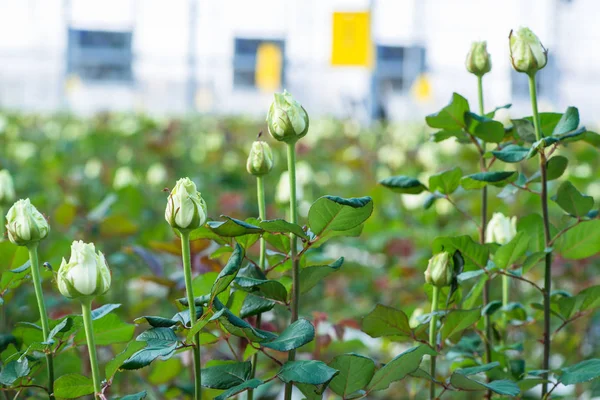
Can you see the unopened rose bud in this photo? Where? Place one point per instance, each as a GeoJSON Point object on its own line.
{"type": "Point", "coordinates": [478, 60]}
{"type": "Point", "coordinates": [440, 270]}
{"type": "Point", "coordinates": [7, 188]}
{"type": "Point", "coordinates": [186, 209]}
{"type": "Point", "coordinates": [501, 229]}
{"type": "Point", "coordinates": [86, 274]}
{"type": "Point", "coordinates": [527, 53]}
{"type": "Point", "coordinates": [260, 159]}
{"type": "Point", "coordinates": [25, 224]}
{"type": "Point", "coordinates": [287, 120]}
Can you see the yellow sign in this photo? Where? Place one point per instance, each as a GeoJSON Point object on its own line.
{"type": "Point", "coordinates": [352, 45]}
{"type": "Point", "coordinates": [269, 61]}
{"type": "Point", "coordinates": [421, 89]}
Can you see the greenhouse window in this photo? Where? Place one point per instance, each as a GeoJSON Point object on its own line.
{"type": "Point", "coordinates": [100, 56]}
{"type": "Point", "coordinates": [250, 55]}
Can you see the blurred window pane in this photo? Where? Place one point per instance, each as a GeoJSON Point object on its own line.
{"type": "Point", "coordinates": [398, 67]}
{"type": "Point", "coordinates": [100, 56]}
{"type": "Point", "coordinates": [244, 61]}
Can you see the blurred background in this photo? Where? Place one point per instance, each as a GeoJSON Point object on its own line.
{"type": "Point", "coordinates": [104, 103]}
{"type": "Point", "coordinates": [364, 59]}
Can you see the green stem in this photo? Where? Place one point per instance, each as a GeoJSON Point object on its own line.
{"type": "Point", "coordinates": [484, 207]}
{"type": "Point", "coordinates": [2, 221]}
{"type": "Point", "coordinates": [86, 311]}
{"type": "Point", "coordinates": [187, 273]}
{"type": "Point", "coordinates": [547, 238]}
{"type": "Point", "coordinates": [433, 338]}
{"type": "Point", "coordinates": [39, 295]}
{"type": "Point", "coordinates": [291, 158]}
{"type": "Point", "coordinates": [260, 195]}
{"type": "Point", "coordinates": [505, 289]}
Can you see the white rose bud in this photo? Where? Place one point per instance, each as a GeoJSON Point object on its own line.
{"type": "Point", "coordinates": [86, 274]}
{"type": "Point", "coordinates": [287, 119]}
{"type": "Point", "coordinates": [527, 53]}
{"type": "Point", "coordinates": [25, 224]}
{"type": "Point", "coordinates": [7, 188]}
{"type": "Point", "coordinates": [501, 229]}
{"type": "Point", "coordinates": [478, 60]}
{"type": "Point", "coordinates": [186, 209]}
{"type": "Point", "coordinates": [440, 270]}
{"type": "Point", "coordinates": [260, 159]}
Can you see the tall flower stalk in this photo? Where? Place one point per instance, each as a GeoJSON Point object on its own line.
{"type": "Point", "coordinates": [26, 226]}
{"type": "Point", "coordinates": [260, 163]}
{"type": "Point", "coordinates": [287, 121]}
{"type": "Point", "coordinates": [186, 211]}
{"type": "Point", "coordinates": [479, 63]}
{"type": "Point", "coordinates": [528, 56]}
{"type": "Point", "coordinates": [39, 295]}
{"type": "Point", "coordinates": [84, 277]}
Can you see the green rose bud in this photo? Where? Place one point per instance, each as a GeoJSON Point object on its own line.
{"type": "Point", "coordinates": [86, 274]}
{"type": "Point", "coordinates": [478, 60]}
{"type": "Point", "coordinates": [501, 229]}
{"type": "Point", "coordinates": [287, 120]}
{"type": "Point", "coordinates": [186, 209]}
{"type": "Point", "coordinates": [7, 188]}
{"type": "Point", "coordinates": [440, 270]}
{"type": "Point", "coordinates": [527, 53]}
{"type": "Point", "coordinates": [25, 224]}
{"type": "Point", "coordinates": [260, 159]}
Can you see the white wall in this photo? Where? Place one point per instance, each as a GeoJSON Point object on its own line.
{"type": "Point", "coordinates": [33, 51]}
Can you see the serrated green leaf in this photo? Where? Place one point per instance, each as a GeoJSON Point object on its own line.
{"type": "Point", "coordinates": [511, 153]}
{"type": "Point", "coordinates": [14, 370]}
{"type": "Point", "coordinates": [229, 271]}
{"type": "Point", "coordinates": [573, 202]}
{"type": "Point", "coordinates": [232, 227]}
{"type": "Point", "coordinates": [356, 372]}
{"type": "Point", "coordinates": [482, 179]}
{"type": "Point", "coordinates": [445, 182]}
{"type": "Point", "coordinates": [502, 387]}
{"type": "Point", "coordinates": [403, 184]}
{"type": "Point", "coordinates": [451, 117]}
{"type": "Point", "coordinates": [484, 128]}
{"type": "Point", "coordinates": [268, 288]}
{"type": "Point", "coordinates": [581, 372]}
{"type": "Point", "coordinates": [135, 396]}
{"type": "Point", "coordinates": [458, 320]}
{"type": "Point", "coordinates": [568, 122]}
{"type": "Point", "coordinates": [330, 213]}
{"type": "Point", "coordinates": [475, 254]}
{"type": "Point", "coordinates": [226, 376]}
{"type": "Point", "coordinates": [508, 254]}
{"type": "Point", "coordinates": [251, 384]}
{"type": "Point", "coordinates": [399, 367]}
{"type": "Point", "coordinates": [283, 226]}
{"type": "Point", "coordinates": [294, 336]}
{"type": "Point", "coordinates": [386, 321]}
{"type": "Point", "coordinates": [71, 386]}
{"type": "Point", "coordinates": [310, 372]}
{"type": "Point", "coordinates": [254, 305]}
{"type": "Point", "coordinates": [581, 241]}
{"type": "Point", "coordinates": [311, 275]}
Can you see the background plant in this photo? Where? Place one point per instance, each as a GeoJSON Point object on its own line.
{"type": "Point", "coordinates": [90, 190]}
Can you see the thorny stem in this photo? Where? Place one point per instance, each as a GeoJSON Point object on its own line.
{"type": "Point", "coordinates": [433, 338]}
{"type": "Point", "coordinates": [291, 159]}
{"type": "Point", "coordinates": [86, 311]}
{"type": "Point", "coordinates": [187, 273]}
{"type": "Point", "coordinates": [260, 195]}
{"type": "Point", "coordinates": [547, 238]}
{"type": "Point", "coordinates": [39, 295]}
